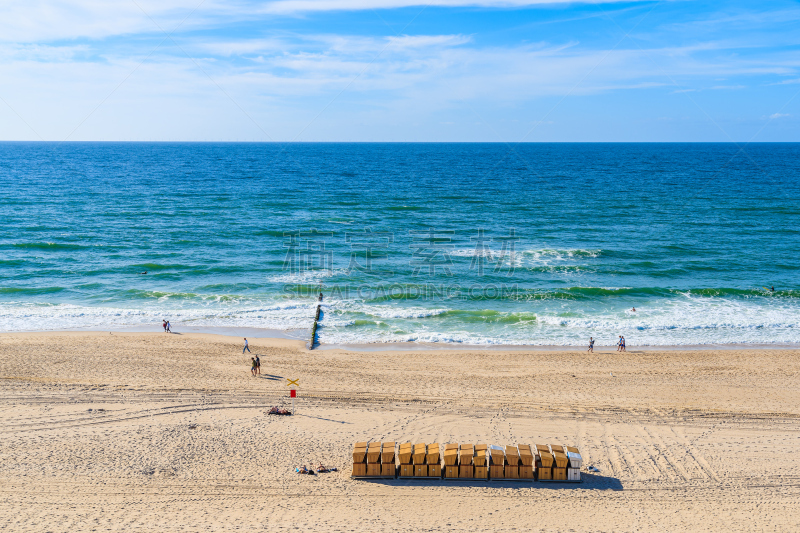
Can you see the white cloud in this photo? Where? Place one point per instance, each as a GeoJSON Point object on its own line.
{"type": "Point", "coordinates": [284, 79]}
{"type": "Point", "coordinates": [42, 52]}
{"type": "Point", "coordinates": [421, 77]}
{"type": "Point", "coordinates": [778, 115]}
{"type": "Point", "coordinates": [423, 41]}
{"type": "Point", "coordinates": [727, 87]}
{"type": "Point", "coordinates": [741, 19]}
{"type": "Point", "coordinates": [27, 21]}
{"type": "Point", "coordinates": [300, 6]}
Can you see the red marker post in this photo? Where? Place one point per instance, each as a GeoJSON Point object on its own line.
{"type": "Point", "coordinates": [293, 392]}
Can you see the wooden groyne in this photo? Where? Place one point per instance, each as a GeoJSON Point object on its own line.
{"type": "Point", "coordinates": [313, 336]}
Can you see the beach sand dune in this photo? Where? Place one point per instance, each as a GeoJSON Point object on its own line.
{"type": "Point", "coordinates": [158, 432]}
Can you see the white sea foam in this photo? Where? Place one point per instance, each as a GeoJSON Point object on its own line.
{"type": "Point", "coordinates": [532, 258]}
{"type": "Point", "coordinates": [533, 254]}
{"type": "Point", "coordinates": [686, 321]}
{"type": "Point", "coordinates": [30, 317]}
{"type": "Point", "coordinates": [389, 312]}
{"type": "Point", "coordinates": [307, 276]}
{"type": "Point", "coordinates": [473, 252]}
{"type": "Point", "coordinates": [664, 321]}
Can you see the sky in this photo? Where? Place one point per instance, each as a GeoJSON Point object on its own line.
{"type": "Point", "coordinates": [399, 70]}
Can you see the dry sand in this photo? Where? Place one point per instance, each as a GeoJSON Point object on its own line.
{"type": "Point", "coordinates": [160, 432]}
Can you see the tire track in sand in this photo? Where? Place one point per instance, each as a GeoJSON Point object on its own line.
{"type": "Point", "coordinates": [663, 450]}
{"type": "Point", "coordinates": [661, 467]}
{"type": "Point", "coordinates": [611, 452]}
{"type": "Point", "coordinates": [695, 454]}
{"type": "Point", "coordinates": [399, 427]}
{"type": "Point", "coordinates": [627, 457]}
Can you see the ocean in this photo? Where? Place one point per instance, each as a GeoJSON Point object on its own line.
{"type": "Point", "coordinates": [484, 244]}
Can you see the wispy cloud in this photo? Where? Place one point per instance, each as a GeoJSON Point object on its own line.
{"type": "Point", "coordinates": [26, 21]}
{"type": "Point", "coordinates": [726, 17]}
{"type": "Point", "coordinates": [48, 20]}
{"type": "Point", "coordinates": [285, 61]}
{"type": "Point", "coordinates": [727, 87]}
{"type": "Point", "coordinates": [299, 6]}
{"type": "Point", "coordinates": [423, 41]}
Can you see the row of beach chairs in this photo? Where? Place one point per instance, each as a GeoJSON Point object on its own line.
{"type": "Point", "coordinates": [520, 462]}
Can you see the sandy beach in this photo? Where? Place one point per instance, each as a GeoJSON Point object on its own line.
{"type": "Point", "coordinates": [169, 432]}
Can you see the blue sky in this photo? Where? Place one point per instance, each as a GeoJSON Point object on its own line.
{"type": "Point", "coordinates": [399, 70]}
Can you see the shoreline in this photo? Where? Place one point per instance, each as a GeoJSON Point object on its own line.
{"type": "Point", "coordinates": [281, 336]}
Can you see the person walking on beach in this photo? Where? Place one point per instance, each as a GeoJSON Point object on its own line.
{"type": "Point", "coordinates": [258, 365]}
{"type": "Point", "coordinates": [169, 328]}
{"type": "Point", "coordinates": [622, 344]}
{"type": "Point", "coordinates": [253, 367]}
{"type": "Point", "coordinates": [591, 345]}
{"type": "Point", "coordinates": [246, 346]}
{"type": "Point", "coordinates": [619, 344]}
{"type": "Point", "coordinates": [165, 325]}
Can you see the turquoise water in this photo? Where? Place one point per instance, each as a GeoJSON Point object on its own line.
{"type": "Point", "coordinates": [244, 235]}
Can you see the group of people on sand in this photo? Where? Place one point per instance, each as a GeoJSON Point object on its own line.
{"type": "Point", "coordinates": [321, 469]}
{"type": "Point", "coordinates": [255, 368]}
{"type": "Point", "coordinates": [166, 326]}
{"type": "Point", "coordinates": [620, 344]}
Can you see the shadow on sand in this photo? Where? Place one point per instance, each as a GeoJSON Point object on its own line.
{"type": "Point", "coordinates": [325, 419]}
{"type": "Point", "coordinates": [590, 482]}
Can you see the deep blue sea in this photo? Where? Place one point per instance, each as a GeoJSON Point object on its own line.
{"type": "Point", "coordinates": [541, 244]}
